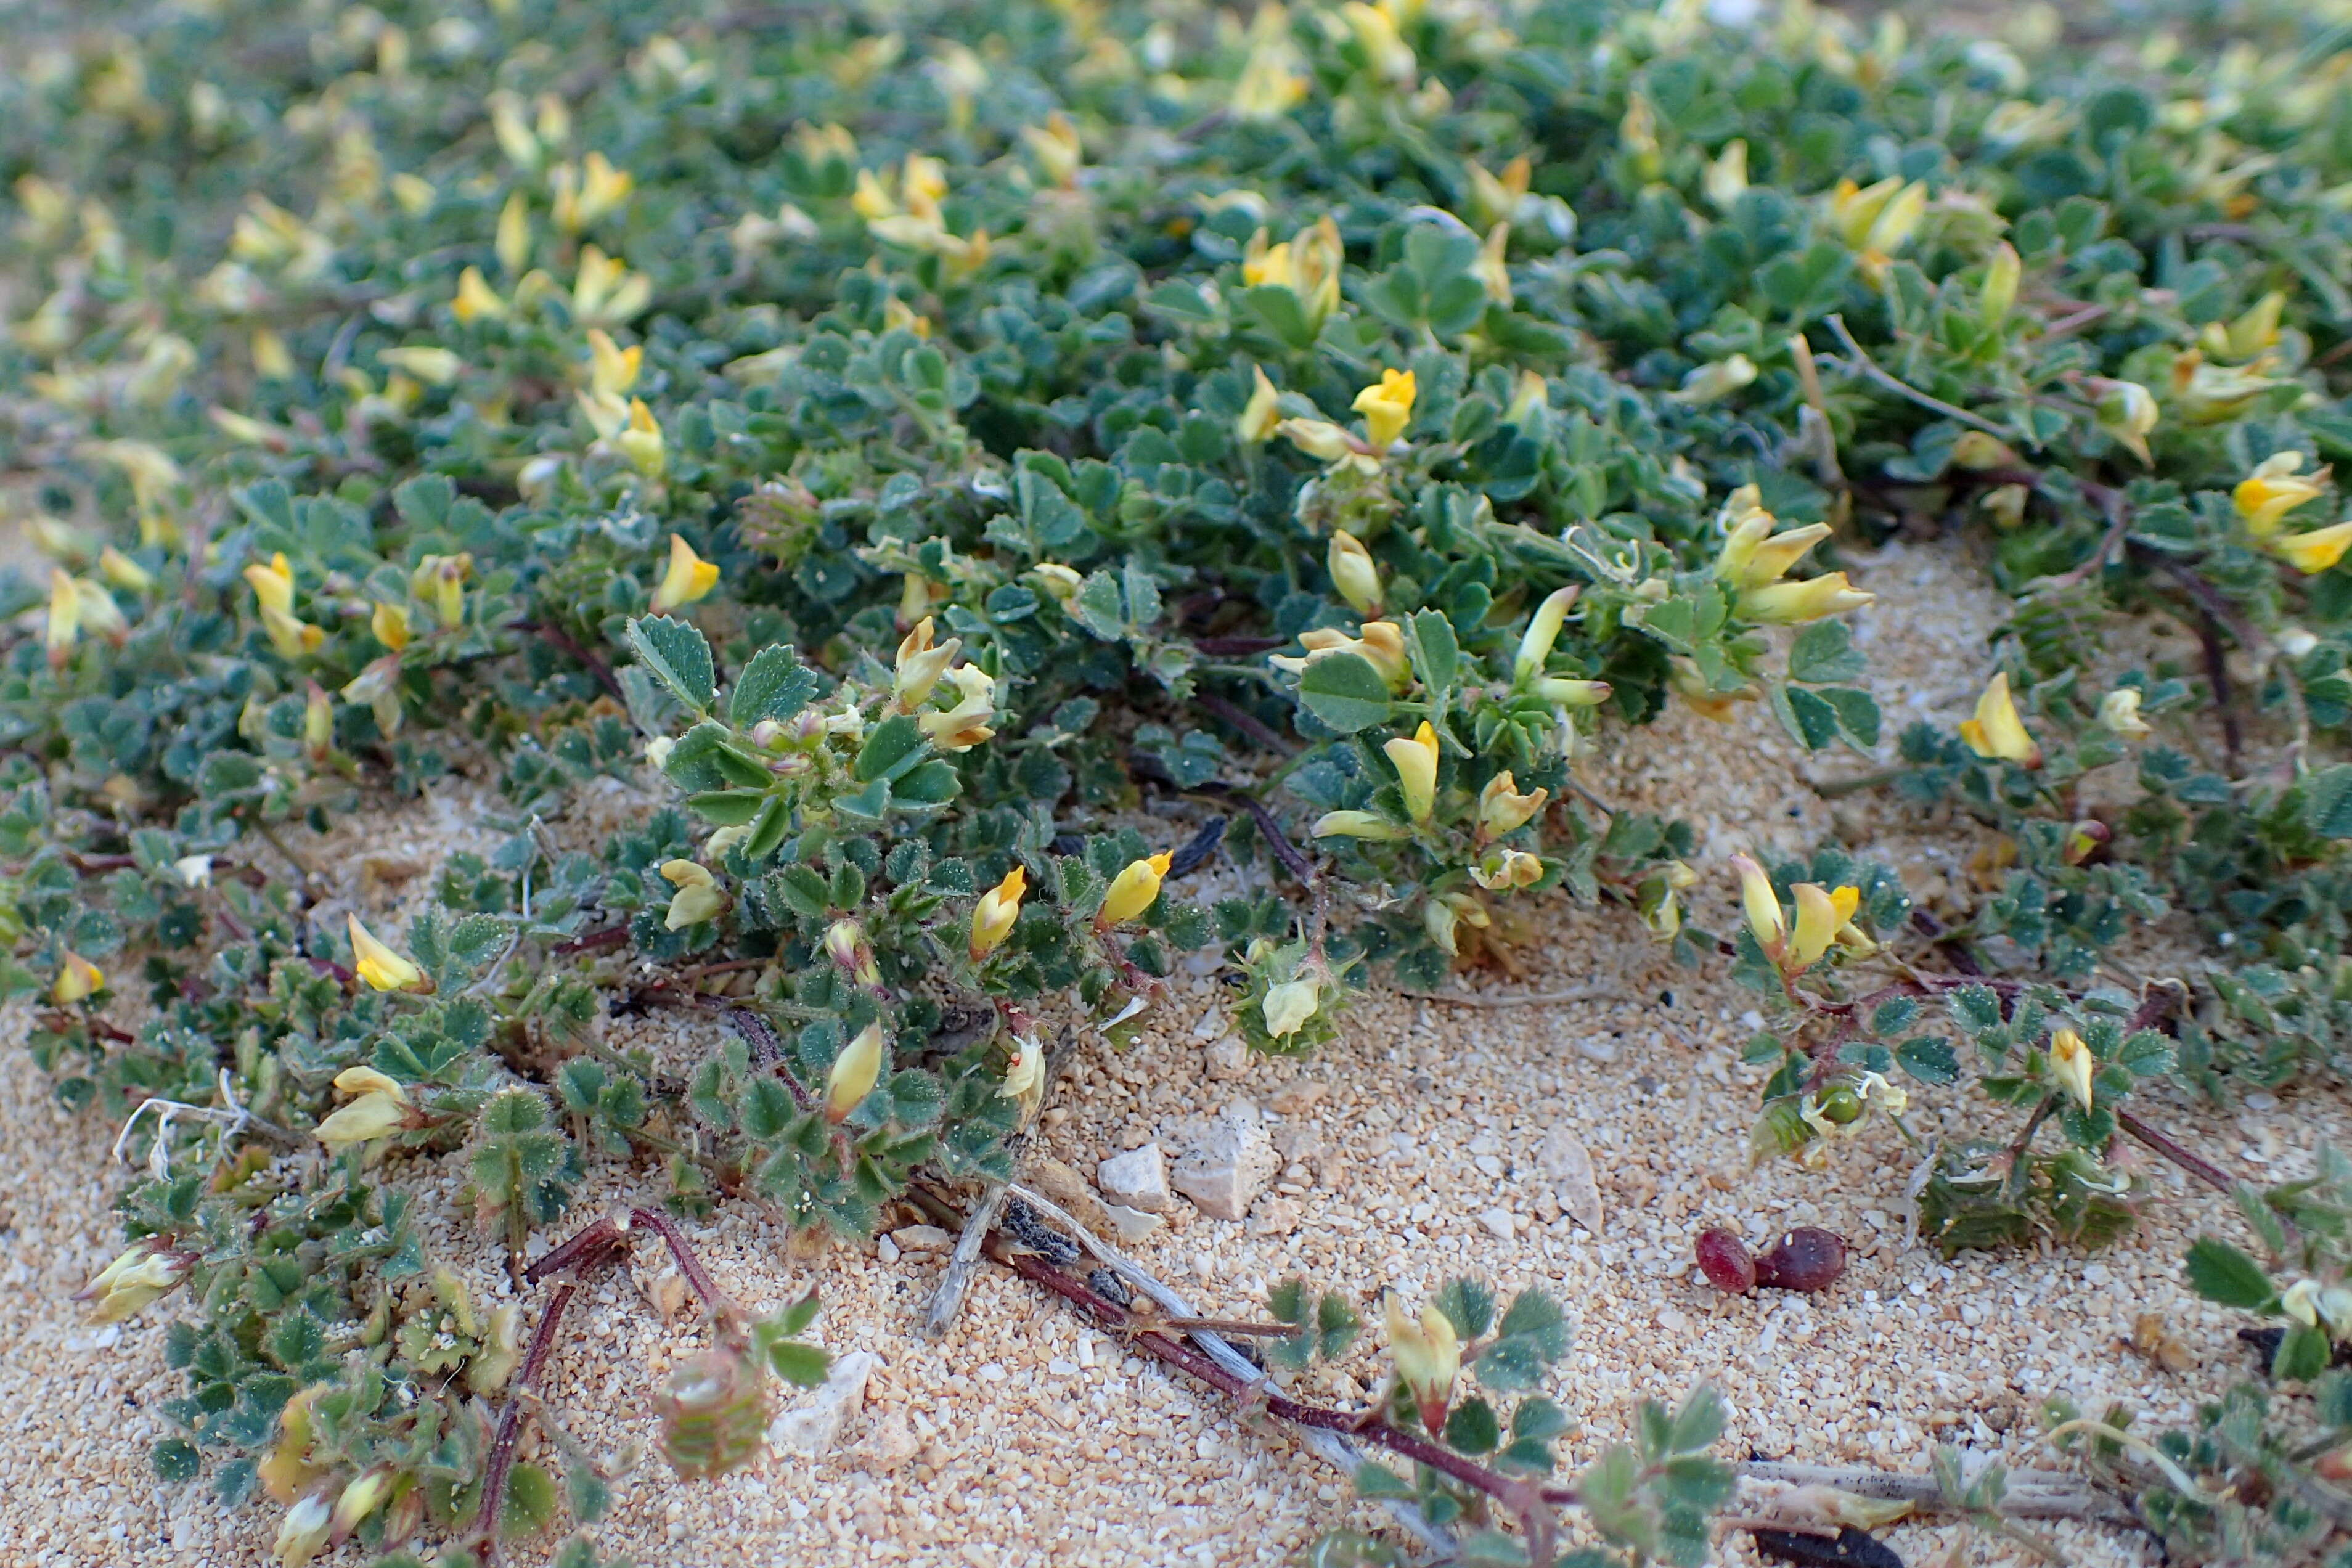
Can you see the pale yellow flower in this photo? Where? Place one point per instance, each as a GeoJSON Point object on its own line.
{"type": "Point", "coordinates": [993, 915]}
{"type": "Point", "coordinates": [1415, 761]}
{"type": "Point", "coordinates": [1387, 408]}
{"type": "Point", "coordinates": [2073, 1063]}
{"type": "Point", "coordinates": [1761, 906]}
{"type": "Point", "coordinates": [1502, 809]}
{"type": "Point", "coordinates": [854, 1074]}
{"type": "Point", "coordinates": [1997, 732]}
{"type": "Point", "coordinates": [687, 579]}
{"type": "Point", "coordinates": [1134, 889]}
{"type": "Point", "coordinates": [697, 897]}
{"type": "Point", "coordinates": [1821, 913]}
{"type": "Point", "coordinates": [379, 965]}
{"type": "Point", "coordinates": [1428, 1355]}
{"type": "Point", "coordinates": [2275, 487]}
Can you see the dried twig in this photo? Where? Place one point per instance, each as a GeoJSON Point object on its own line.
{"type": "Point", "coordinates": [1331, 1447]}
{"type": "Point", "coordinates": [1520, 999]}
{"type": "Point", "coordinates": [2030, 1494]}
{"type": "Point", "coordinates": [1901, 388]}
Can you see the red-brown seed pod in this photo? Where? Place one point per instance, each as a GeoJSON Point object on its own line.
{"type": "Point", "coordinates": [1808, 1258]}
{"type": "Point", "coordinates": [1724, 1258]}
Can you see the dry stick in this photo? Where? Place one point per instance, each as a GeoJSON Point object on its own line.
{"type": "Point", "coordinates": [1522, 999]}
{"type": "Point", "coordinates": [1329, 1445]}
{"type": "Point", "coordinates": [2030, 1494]}
{"type": "Point", "coordinates": [955, 1281]}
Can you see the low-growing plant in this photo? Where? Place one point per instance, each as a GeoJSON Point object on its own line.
{"type": "Point", "coordinates": [937, 453]}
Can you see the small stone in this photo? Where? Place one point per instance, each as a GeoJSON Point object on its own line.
{"type": "Point", "coordinates": [922, 1238]}
{"type": "Point", "coordinates": [1132, 1224]}
{"type": "Point", "coordinates": [1563, 1158]}
{"type": "Point", "coordinates": [814, 1427]}
{"type": "Point", "coordinates": [893, 1442]}
{"type": "Point", "coordinates": [1230, 1165]}
{"type": "Point", "coordinates": [1136, 1179]}
{"type": "Point", "coordinates": [1226, 1059]}
{"type": "Point", "coordinates": [1275, 1216]}
{"type": "Point", "coordinates": [1500, 1222]}
{"type": "Point", "coordinates": [1597, 1049]}
{"type": "Point", "coordinates": [1299, 1094]}
{"type": "Point", "coordinates": [886, 1249]}
{"type": "Point", "coordinates": [1297, 1142]}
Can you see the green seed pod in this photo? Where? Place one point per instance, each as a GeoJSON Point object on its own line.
{"type": "Point", "coordinates": [714, 1414]}
{"type": "Point", "coordinates": [1840, 1104]}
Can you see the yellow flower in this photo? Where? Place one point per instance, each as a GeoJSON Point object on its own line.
{"type": "Point", "coordinates": [379, 1108]}
{"type": "Point", "coordinates": [123, 572]}
{"type": "Point", "coordinates": [272, 360]}
{"type": "Point", "coordinates": [2073, 1063]}
{"type": "Point", "coordinates": [584, 196]}
{"type": "Point", "coordinates": [1134, 889]}
{"type": "Point", "coordinates": [1998, 292]}
{"type": "Point", "coordinates": [273, 584]}
{"type": "Point", "coordinates": [440, 580]}
{"type": "Point", "coordinates": [1387, 408]}
{"type": "Point", "coordinates": [1494, 197]}
{"type": "Point", "coordinates": [379, 965]}
{"type": "Point", "coordinates": [1766, 922]}
{"type": "Point", "coordinates": [2119, 712]}
{"type": "Point", "coordinates": [1318, 438]}
{"type": "Point", "coordinates": [1793, 603]}
{"type": "Point", "coordinates": [965, 726]}
{"type": "Point", "coordinates": [513, 242]}
{"type": "Point", "coordinates": [1725, 177]}
{"type": "Point", "coordinates": [1501, 869]}
{"type": "Point", "coordinates": [1856, 208]}
{"type": "Point", "coordinates": [1996, 733]}
{"type": "Point", "coordinates": [2315, 551]}
{"type": "Point", "coordinates": [697, 897]}
{"type": "Point", "coordinates": [1382, 647]}
{"type": "Point", "coordinates": [2127, 412]}
{"type": "Point", "coordinates": [78, 979]}
{"type": "Point", "coordinates": [1308, 265]}
{"type": "Point", "coordinates": [1264, 410]}
{"type": "Point", "coordinates": [1428, 1355]}
{"type": "Point", "coordinates": [640, 440]}
{"type": "Point", "coordinates": [1415, 761]}
{"type": "Point", "coordinates": [854, 1074]}
{"type": "Point", "coordinates": [1543, 630]}
{"type": "Point", "coordinates": [1288, 1005]}
{"type": "Point", "coordinates": [142, 1275]}
{"type": "Point", "coordinates": [606, 292]}
{"type": "Point", "coordinates": [63, 623]}
{"type": "Point", "coordinates": [613, 371]}
{"type": "Point", "coordinates": [1060, 581]}
{"type": "Point", "coordinates": [1354, 574]}
{"type": "Point", "coordinates": [1356, 825]}
{"type": "Point", "coordinates": [2274, 489]}
{"type": "Point", "coordinates": [1977, 450]}
{"type": "Point", "coordinates": [687, 579]}
{"type": "Point", "coordinates": [302, 1535]}
{"type": "Point", "coordinates": [1492, 273]}
{"type": "Point", "coordinates": [1389, 57]}
{"type": "Point", "coordinates": [476, 299]}
{"type": "Point", "coordinates": [1057, 148]}
{"type": "Point", "coordinates": [390, 626]}
{"type": "Point", "coordinates": [1716, 381]}
{"type": "Point", "coordinates": [1820, 914]}
{"type": "Point", "coordinates": [1562, 692]}
{"type": "Point", "coordinates": [1024, 1075]}
{"type": "Point", "coordinates": [1264, 266]}
{"type": "Point", "coordinates": [433, 366]}
{"type": "Point", "coordinates": [317, 723]}
{"type": "Point", "coordinates": [289, 637]}
{"type": "Point", "coordinates": [919, 664]}
{"type": "Point", "coordinates": [1267, 87]}
{"type": "Point", "coordinates": [992, 916]}
{"type": "Point", "coordinates": [1502, 809]}
{"type": "Point", "coordinates": [360, 1499]}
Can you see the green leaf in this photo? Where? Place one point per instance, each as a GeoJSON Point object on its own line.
{"type": "Point", "coordinates": [1698, 1423]}
{"type": "Point", "coordinates": [1470, 1427]}
{"type": "Point", "coordinates": [1928, 1059]}
{"type": "Point", "coordinates": [675, 655]}
{"type": "Point", "coordinates": [798, 1363]}
{"type": "Point", "coordinates": [1824, 652]}
{"type": "Point", "coordinates": [530, 1502]}
{"type": "Point", "coordinates": [774, 685]}
{"type": "Point", "coordinates": [2220, 1272]}
{"type": "Point", "coordinates": [1469, 1304]}
{"type": "Point", "coordinates": [2328, 802]}
{"type": "Point", "coordinates": [1345, 692]}
{"type": "Point", "coordinates": [894, 747]}
{"type": "Point", "coordinates": [1374, 1479]}
{"type": "Point", "coordinates": [2302, 1356]}
{"type": "Point", "coordinates": [1436, 656]}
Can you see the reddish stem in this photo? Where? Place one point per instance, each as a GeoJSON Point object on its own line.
{"type": "Point", "coordinates": [721, 1306]}
{"type": "Point", "coordinates": [610, 936]}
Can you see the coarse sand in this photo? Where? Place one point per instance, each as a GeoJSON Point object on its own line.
{"type": "Point", "coordinates": [1413, 1143]}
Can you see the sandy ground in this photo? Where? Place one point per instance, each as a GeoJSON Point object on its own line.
{"type": "Point", "coordinates": [1026, 1439]}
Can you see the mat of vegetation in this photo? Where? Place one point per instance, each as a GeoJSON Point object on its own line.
{"type": "Point", "coordinates": [931, 434]}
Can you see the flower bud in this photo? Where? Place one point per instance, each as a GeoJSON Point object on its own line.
{"type": "Point", "coordinates": [854, 1074]}
{"type": "Point", "coordinates": [2127, 412]}
{"type": "Point", "coordinates": [1318, 438]}
{"type": "Point", "coordinates": [920, 665]}
{"type": "Point", "coordinates": [1977, 450]}
{"type": "Point", "coordinates": [1264, 410]}
{"type": "Point", "coordinates": [1794, 604]}
{"type": "Point", "coordinates": [1543, 630]}
{"type": "Point", "coordinates": [78, 979]}
{"type": "Point", "coordinates": [1712, 383]}
{"type": "Point", "coordinates": [1564, 693]}
{"type": "Point", "coordinates": [146, 1272]}
{"type": "Point", "coordinates": [1356, 825]}
{"type": "Point", "coordinates": [1415, 761]}
{"type": "Point", "coordinates": [1998, 293]}
{"type": "Point", "coordinates": [2072, 1064]}
{"type": "Point", "coordinates": [1428, 1355]}
{"type": "Point", "coordinates": [1761, 906]}
{"type": "Point", "coordinates": [1134, 889]}
{"type": "Point", "coordinates": [845, 944]}
{"type": "Point", "coordinates": [303, 1534]}
{"type": "Point", "coordinates": [1355, 574]}
{"type": "Point", "coordinates": [993, 915]}
{"type": "Point", "coordinates": [360, 1499]}
{"type": "Point", "coordinates": [2084, 839]}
